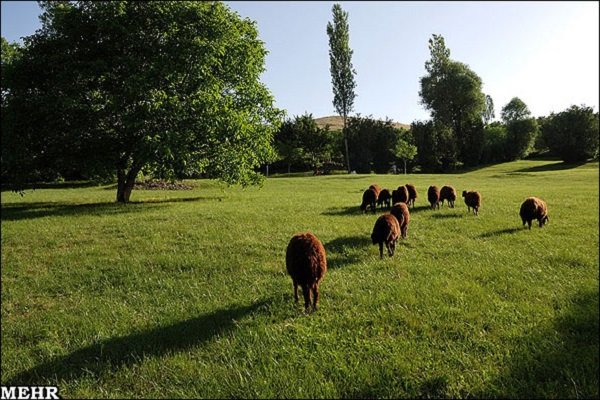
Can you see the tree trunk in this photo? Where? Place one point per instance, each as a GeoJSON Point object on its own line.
{"type": "Point", "coordinates": [125, 183]}
{"type": "Point", "coordinates": [289, 167]}
{"type": "Point", "coordinates": [404, 166]}
{"type": "Point", "coordinates": [346, 144]}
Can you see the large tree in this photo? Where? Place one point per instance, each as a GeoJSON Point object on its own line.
{"type": "Point", "coordinates": [521, 129]}
{"type": "Point", "coordinates": [573, 133]}
{"type": "Point", "coordinates": [451, 91]}
{"type": "Point", "coordinates": [342, 71]}
{"type": "Point", "coordinates": [116, 86]}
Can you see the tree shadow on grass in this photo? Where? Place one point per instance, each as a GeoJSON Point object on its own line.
{"type": "Point", "coordinates": [554, 166]}
{"type": "Point", "coordinates": [112, 354]}
{"type": "Point", "coordinates": [354, 210]}
{"type": "Point", "coordinates": [24, 211]}
{"type": "Point", "coordinates": [55, 185]}
{"type": "Point", "coordinates": [447, 216]}
{"type": "Point", "coordinates": [340, 251]}
{"type": "Point", "coordinates": [499, 232]}
{"type": "Point", "coordinates": [560, 361]}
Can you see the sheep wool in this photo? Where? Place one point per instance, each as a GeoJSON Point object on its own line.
{"type": "Point", "coordinates": [384, 198]}
{"type": "Point", "coordinates": [472, 200]}
{"type": "Point", "coordinates": [448, 193]}
{"type": "Point", "coordinates": [369, 199]}
{"type": "Point", "coordinates": [386, 230]}
{"type": "Point", "coordinates": [400, 211]}
{"type": "Point", "coordinates": [534, 208]}
{"type": "Point", "coordinates": [306, 263]}
{"type": "Point", "coordinates": [433, 196]}
{"type": "Point", "coordinates": [412, 194]}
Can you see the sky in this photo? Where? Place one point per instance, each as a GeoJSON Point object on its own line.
{"type": "Point", "coordinates": [545, 53]}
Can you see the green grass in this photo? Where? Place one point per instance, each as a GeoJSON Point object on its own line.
{"type": "Point", "coordinates": [185, 294]}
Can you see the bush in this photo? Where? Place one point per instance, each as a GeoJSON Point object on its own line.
{"type": "Point", "coordinates": [572, 134]}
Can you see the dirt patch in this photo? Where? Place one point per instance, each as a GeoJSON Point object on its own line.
{"type": "Point", "coordinates": [162, 185]}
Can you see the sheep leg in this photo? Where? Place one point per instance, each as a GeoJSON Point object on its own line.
{"type": "Point", "coordinates": [380, 249]}
{"type": "Point", "coordinates": [476, 211]}
{"type": "Point", "coordinates": [529, 223]}
{"type": "Point", "coordinates": [306, 293]}
{"type": "Point", "coordinates": [315, 292]}
{"type": "Point", "coordinates": [296, 291]}
{"type": "Point", "coordinates": [404, 229]}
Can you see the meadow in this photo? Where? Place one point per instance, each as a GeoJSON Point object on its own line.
{"type": "Point", "coordinates": [185, 293]}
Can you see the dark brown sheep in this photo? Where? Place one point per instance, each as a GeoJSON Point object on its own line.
{"type": "Point", "coordinates": [472, 200]}
{"type": "Point", "coordinates": [412, 194]}
{"type": "Point", "coordinates": [306, 263]}
{"type": "Point", "coordinates": [534, 208]}
{"type": "Point", "coordinates": [384, 198]}
{"type": "Point", "coordinates": [369, 199]}
{"type": "Point", "coordinates": [386, 230]}
{"type": "Point", "coordinates": [448, 193]}
{"type": "Point", "coordinates": [401, 195]}
{"type": "Point", "coordinates": [376, 188]}
{"type": "Point", "coordinates": [400, 211]}
{"type": "Point", "coordinates": [433, 196]}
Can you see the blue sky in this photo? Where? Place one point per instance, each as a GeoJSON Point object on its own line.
{"type": "Point", "coordinates": [546, 53]}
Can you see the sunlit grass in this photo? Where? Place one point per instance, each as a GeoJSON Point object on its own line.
{"type": "Point", "coordinates": [184, 293]}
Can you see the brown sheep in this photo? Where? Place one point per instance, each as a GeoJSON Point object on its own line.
{"type": "Point", "coordinates": [534, 208]}
{"type": "Point", "coordinates": [384, 198]}
{"type": "Point", "coordinates": [448, 193]}
{"type": "Point", "coordinates": [412, 194]}
{"type": "Point", "coordinates": [401, 195]}
{"type": "Point", "coordinates": [306, 263]}
{"type": "Point", "coordinates": [386, 230]}
{"type": "Point", "coordinates": [376, 188]}
{"type": "Point", "coordinates": [433, 196]}
{"type": "Point", "coordinates": [400, 211]}
{"type": "Point", "coordinates": [472, 200]}
{"type": "Point", "coordinates": [369, 199]}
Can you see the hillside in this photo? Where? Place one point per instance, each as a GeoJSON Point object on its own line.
{"type": "Point", "coordinates": [335, 122]}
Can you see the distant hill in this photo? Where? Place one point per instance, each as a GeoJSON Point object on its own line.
{"type": "Point", "coordinates": [336, 122]}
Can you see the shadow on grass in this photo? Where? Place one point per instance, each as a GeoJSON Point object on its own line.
{"type": "Point", "coordinates": [115, 353]}
{"type": "Point", "coordinates": [23, 211]}
{"type": "Point", "coordinates": [499, 232]}
{"type": "Point", "coordinates": [56, 185]}
{"type": "Point", "coordinates": [554, 166]}
{"type": "Point", "coordinates": [560, 361]}
{"type": "Point", "coordinates": [354, 210]}
{"type": "Point", "coordinates": [339, 251]}
{"type": "Point", "coordinates": [447, 216]}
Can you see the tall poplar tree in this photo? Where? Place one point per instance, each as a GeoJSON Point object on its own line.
{"type": "Point", "coordinates": [342, 72]}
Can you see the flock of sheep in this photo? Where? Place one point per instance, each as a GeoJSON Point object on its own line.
{"type": "Point", "coordinates": [306, 260]}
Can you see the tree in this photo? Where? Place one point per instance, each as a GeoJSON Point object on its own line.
{"type": "Point", "coordinates": [520, 127]}
{"type": "Point", "coordinates": [452, 93]}
{"type": "Point", "coordinates": [573, 133]}
{"type": "Point", "coordinates": [405, 151]}
{"type": "Point", "coordinates": [342, 71]}
{"type": "Point", "coordinates": [288, 144]}
{"type": "Point", "coordinates": [436, 146]}
{"type": "Point", "coordinates": [371, 144]}
{"type": "Point", "coordinates": [494, 146]}
{"type": "Point", "coordinates": [119, 86]}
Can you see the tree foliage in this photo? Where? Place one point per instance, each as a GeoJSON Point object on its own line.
{"type": "Point", "coordinates": [451, 91]}
{"type": "Point", "coordinates": [372, 143]}
{"type": "Point", "coordinates": [573, 133]}
{"type": "Point", "coordinates": [342, 71]}
{"type": "Point", "coordinates": [114, 87]}
{"type": "Point", "coordinates": [521, 129]}
{"type": "Point", "coordinates": [404, 150]}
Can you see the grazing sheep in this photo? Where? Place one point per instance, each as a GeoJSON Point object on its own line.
{"type": "Point", "coordinates": [433, 196]}
{"type": "Point", "coordinates": [369, 199]}
{"type": "Point", "coordinates": [306, 263]}
{"type": "Point", "coordinates": [472, 200]}
{"type": "Point", "coordinates": [401, 195]}
{"type": "Point", "coordinates": [376, 188]}
{"type": "Point", "coordinates": [448, 193]}
{"type": "Point", "coordinates": [386, 230]}
{"type": "Point", "coordinates": [400, 211]}
{"type": "Point", "coordinates": [384, 198]}
{"type": "Point", "coordinates": [412, 194]}
{"type": "Point", "coordinates": [534, 208]}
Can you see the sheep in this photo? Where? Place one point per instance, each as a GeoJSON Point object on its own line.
{"type": "Point", "coordinates": [306, 263]}
{"type": "Point", "coordinates": [433, 195]}
{"type": "Point", "coordinates": [401, 195]}
{"type": "Point", "coordinates": [369, 199]}
{"type": "Point", "coordinates": [400, 211]}
{"type": "Point", "coordinates": [534, 208]}
{"type": "Point", "coordinates": [376, 188]}
{"type": "Point", "coordinates": [386, 230]}
{"type": "Point", "coordinates": [472, 200]}
{"type": "Point", "coordinates": [412, 194]}
{"type": "Point", "coordinates": [448, 193]}
{"type": "Point", "coordinates": [384, 198]}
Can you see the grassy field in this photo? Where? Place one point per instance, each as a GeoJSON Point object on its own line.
{"type": "Point", "coordinates": [185, 294]}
